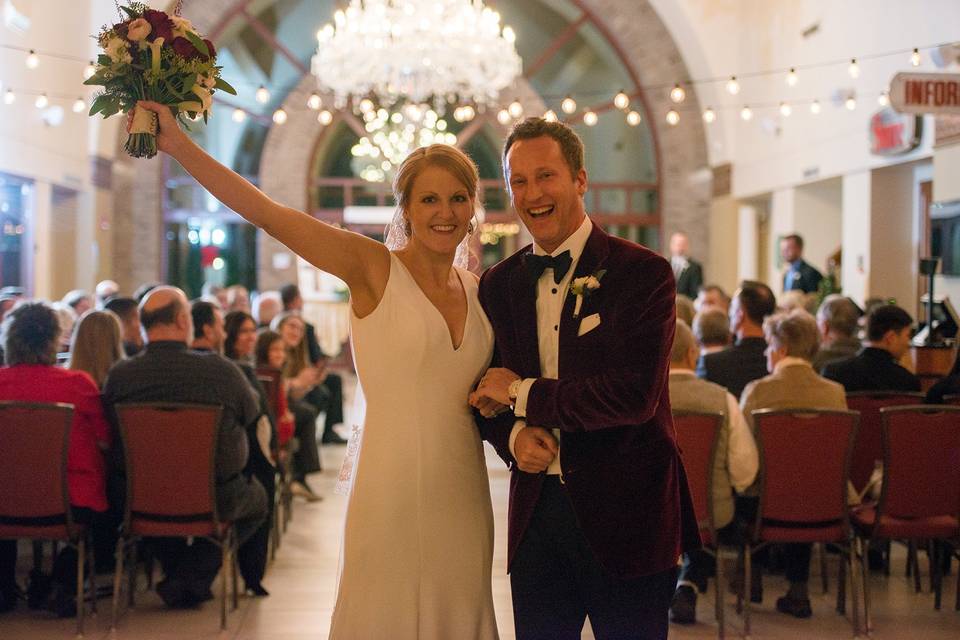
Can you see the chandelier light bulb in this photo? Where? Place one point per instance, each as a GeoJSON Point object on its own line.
{"type": "Point", "coordinates": [569, 105]}
{"type": "Point", "coordinates": [79, 105]}
{"type": "Point", "coordinates": [503, 117]}
{"type": "Point", "coordinates": [785, 109]}
{"type": "Point", "coordinates": [280, 116]}
{"type": "Point", "coordinates": [815, 107]}
{"type": "Point", "coordinates": [746, 114]}
{"type": "Point", "coordinates": [850, 103]}
{"type": "Point", "coordinates": [621, 100]}
{"type": "Point", "coordinates": [33, 60]}
{"type": "Point", "coordinates": [314, 101]}
{"type": "Point", "coordinates": [590, 118]}
{"type": "Point", "coordinates": [883, 99]}
{"type": "Point", "coordinates": [469, 113]}
{"type": "Point", "coordinates": [792, 78]}
{"type": "Point", "coordinates": [709, 115]}
{"type": "Point", "coordinates": [42, 101]}
{"type": "Point", "coordinates": [239, 115]}
{"type": "Point", "coordinates": [633, 118]}
{"type": "Point", "coordinates": [263, 95]}
{"type": "Point", "coordinates": [509, 35]}
{"type": "Point", "coordinates": [9, 96]}
{"type": "Point", "coordinates": [733, 87]}
{"type": "Point", "coordinates": [515, 109]}
{"type": "Point", "coordinates": [458, 114]}
{"type": "Point", "coordinates": [89, 70]}
{"type": "Point", "coordinates": [550, 116]}
{"type": "Point", "coordinates": [854, 68]}
{"type": "Point", "coordinates": [915, 58]}
{"type": "Point", "coordinates": [673, 117]}
{"type": "Point", "coordinates": [677, 94]}
{"type": "Point", "coordinates": [324, 117]}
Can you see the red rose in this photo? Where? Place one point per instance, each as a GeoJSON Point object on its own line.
{"type": "Point", "coordinates": [161, 23]}
{"type": "Point", "coordinates": [185, 48]}
{"type": "Point", "coordinates": [121, 28]}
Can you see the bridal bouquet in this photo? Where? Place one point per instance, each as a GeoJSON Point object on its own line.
{"type": "Point", "coordinates": [154, 56]}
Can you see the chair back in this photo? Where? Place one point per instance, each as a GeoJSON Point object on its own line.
{"type": "Point", "coordinates": [921, 454]}
{"type": "Point", "coordinates": [804, 466]}
{"type": "Point", "coordinates": [171, 481]}
{"type": "Point", "coordinates": [953, 399]}
{"type": "Point", "coordinates": [272, 384]}
{"type": "Point", "coordinates": [698, 434]}
{"type": "Point", "coordinates": [868, 449]}
{"type": "Point", "coordinates": [34, 498]}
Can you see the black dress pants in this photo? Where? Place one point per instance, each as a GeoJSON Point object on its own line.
{"type": "Point", "coordinates": [557, 583]}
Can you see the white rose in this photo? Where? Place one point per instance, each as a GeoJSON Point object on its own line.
{"type": "Point", "coordinates": [116, 49]}
{"type": "Point", "coordinates": [138, 29]}
{"type": "Point", "coordinates": [208, 82]}
{"type": "Point", "coordinates": [181, 26]}
{"type": "Point", "coordinates": [206, 100]}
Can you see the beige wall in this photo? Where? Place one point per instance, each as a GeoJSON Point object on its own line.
{"type": "Point", "coordinates": [722, 267]}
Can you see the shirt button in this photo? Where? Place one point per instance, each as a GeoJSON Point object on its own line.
{"type": "Point", "coordinates": [554, 290]}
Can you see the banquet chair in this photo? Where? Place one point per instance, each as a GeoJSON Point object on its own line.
{"type": "Point", "coordinates": [698, 434]}
{"type": "Point", "coordinates": [35, 500]}
{"type": "Point", "coordinates": [170, 449]}
{"type": "Point", "coordinates": [804, 469]}
{"type": "Point", "coordinates": [867, 449]}
{"type": "Point", "coordinates": [921, 452]}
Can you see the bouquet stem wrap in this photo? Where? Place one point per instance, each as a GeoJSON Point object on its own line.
{"type": "Point", "coordinates": [142, 141]}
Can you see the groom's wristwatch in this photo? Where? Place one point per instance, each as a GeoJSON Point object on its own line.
{"type": "Point", "coordinates": [514, 389]}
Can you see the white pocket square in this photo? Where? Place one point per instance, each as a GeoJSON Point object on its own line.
{"type": "Point", "coordinates": [589, 323]}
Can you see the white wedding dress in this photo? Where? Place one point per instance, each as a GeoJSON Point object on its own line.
{"type": "Point", "coordinates": [418, 542]}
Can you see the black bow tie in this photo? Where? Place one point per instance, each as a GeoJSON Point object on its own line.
{"type": "Point", "coordinates": [536, 265]}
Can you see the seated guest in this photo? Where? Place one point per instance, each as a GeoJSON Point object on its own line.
{"type": "Point", "coordinates": [129, 314]}
{"type": "Point", "coordinates": [105, 290]}
{"type": "Point", "coordinates": [238, 298]}
{"type": "Point", "coordinates": [143, 290]}
{"type": "Point", "coordinates": [796, 299]}
{"type": "Point", "coordinates": [66, 317]}
{"type": "Point", "coordinates": [96, 345]}
{"type": "Point", "coordinates": [837, 320]}
{"type": "Point", "coordinates": [735, 464]}
{"type": "Point", "coordinates": [78, 300]}
{"type": "Point", "coordinates": [735, 366]}
{"type": "Point", "coordinates": [30, 335]}
{"type": "Point", "coordinates": [266, 307]}
{"type": "Point", "coordinates": [711, 328]}
{"type": "Point", "coordinates": [168, 371]}
{"type": "Point", "coordinates": [271, 354]}
{"type": "Point", "coordinates": [332, 383]}
{"type": "Point", "coordinates": [306, 398]}
{"type": "Point", "coordinates": [685, 310]}
{"type": "Point", "coordinates": [875, 368]}
{"type": "Point", "coordinates": [712, 295]}
{"type": "Point", "coordinates": [210, 291]}
{"type": "Point", "coordinates": [792, 384]}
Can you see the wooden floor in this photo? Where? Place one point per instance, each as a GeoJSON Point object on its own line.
{"type": "Point", "coordinates": [302, 581]}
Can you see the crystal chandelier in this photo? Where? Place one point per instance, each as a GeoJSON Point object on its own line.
{"type": "Point", "coordinates": [434, 53]}
{"type": "Point", "coordinates": [392, 136]}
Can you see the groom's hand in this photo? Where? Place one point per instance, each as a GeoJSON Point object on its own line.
{"type": "Point", "coordinates": [495, 385]}
{"type": "Point", "coordinates": [535, 448]}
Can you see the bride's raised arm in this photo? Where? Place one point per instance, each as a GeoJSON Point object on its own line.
{"type": "Point", "coordinates": [361, 262]}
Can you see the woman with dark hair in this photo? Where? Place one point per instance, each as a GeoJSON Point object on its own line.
{"type": "Point", "coordinates": [241, 335]}
{"type": "Point", "coordinates": [31, 335]}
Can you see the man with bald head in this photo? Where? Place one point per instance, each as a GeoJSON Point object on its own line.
{"type": "Point", "coordinates": [167, 371]}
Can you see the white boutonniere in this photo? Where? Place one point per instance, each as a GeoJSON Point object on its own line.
{"type": "Point", "coordinates": [583, 287]}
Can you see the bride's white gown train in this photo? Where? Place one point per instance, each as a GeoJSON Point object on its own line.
{"type": "Point", "coordinates": [418, 540]}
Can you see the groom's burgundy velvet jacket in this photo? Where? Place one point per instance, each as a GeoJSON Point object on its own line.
{"type": "Point", "coordinates": [618, 450]}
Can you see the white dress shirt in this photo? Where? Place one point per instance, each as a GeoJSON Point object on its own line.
{"type": "Point", "coordinates": [550, 299]}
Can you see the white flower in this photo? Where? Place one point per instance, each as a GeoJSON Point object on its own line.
{"type": "Point", "coordinates": [116, 49]}
{"type": "Point", "coordinates": [138, 29]}
{"type": "Point", "coordinates": [208, 82]}
{"type": "Point", "coordinates": [181, 26]}
{"type": "Point", "coordinates": [592, 282]}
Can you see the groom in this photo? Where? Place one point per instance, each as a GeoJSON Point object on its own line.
{"type": "Point", "coordinates": [599, 506]}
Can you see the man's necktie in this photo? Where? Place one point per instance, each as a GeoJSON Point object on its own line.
{"type": "Point", "coordinates": [536, 265]}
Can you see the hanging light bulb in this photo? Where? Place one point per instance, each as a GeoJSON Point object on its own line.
{"type": "Point", "coordinates": [850, 103]}
{"type": "Point", "coordinates": [883, 99]}
{"type": "Point", "coordinates": [550, 116]}
{"type": "Point", "coordinates": [633, 118]}
{"type": "Point", "coordinates": [621, 100]}
{"type": "Point", "coordinates": [509, 34]}
{"type": "Point", "coordinates": [324, 117]}
{"type": "Point", "coordinates": [915, 58]}
{"type": "Point", "coordinates": [854, 68]}
{"type": "Point", "coordinates": [33, 60]}
{"type": "Point", "coordinates": [709, 115]}
{"type": "Point", "coordinates": [469, 113]}
{"type": "Point", "coordinates": [366, 105]}
{"type": "Point", "coordinates": [314, 102]}
{"type": "Point", "coordinates": [9, 96]}
{"type": "Point", "coordinates": [673, 117]}
{"type": "Point", "coordinates": [746, 114]}
{"type": "Point", "coordinates": [792, 78]}
{"type": "Point", "coordinates": [263, 95]}
{"type": "Point", "coordinates": [677, 94]}
{"type": "Point", "coordinates": [503, 117]}
{"type": "Point", "coordinates": [569, 105]}
{"type": "Point", "coordinates": [89, 70]}
{"type": "Point", "coordinates": [815, 107]}
{"type": "Point", "coordinates": [239, 115]}
{"type": "Point", "coordinates": [280, 116]}
{"type": "Point", "coordinates": [515, 109]}
{"type": "Point", "coordinates": [590, 118]}
{"type": "Point", "coordinates": [458, 114]}
{"type": "Point", "coordinates": [733, 87]}
{"type": "Point", "coordinates": [785, 109]}
{"type": "Point", "coordinates": [79, 105]}
{"type": "Point", "coordinates": [42, 101]}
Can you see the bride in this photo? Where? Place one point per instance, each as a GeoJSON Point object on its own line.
{"type": "Point", "coordinates": [418, 541]}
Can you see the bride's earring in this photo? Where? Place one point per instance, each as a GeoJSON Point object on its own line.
{"type": "Point", "coordinates": [470, 228]}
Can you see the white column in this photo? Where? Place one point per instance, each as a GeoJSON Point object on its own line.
{"type": "Point", "coordinates": [856, 234]}
{"type": "Point", "coordinates": [783, 221]}
{"type": "Point", "coordinates": [747, 262]}
{"type": "Point", "coordinates": [41, 224]}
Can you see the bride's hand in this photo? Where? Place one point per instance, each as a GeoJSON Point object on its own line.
{"type": "Point", "coordinates": [169, 134]}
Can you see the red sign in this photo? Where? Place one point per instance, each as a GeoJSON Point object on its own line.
{"type": "Point", "coordinates": [925, 92]}
{"type": "Point", "coordinates": [893, 133]}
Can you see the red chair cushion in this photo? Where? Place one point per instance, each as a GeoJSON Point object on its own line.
{"type": "Point", "coordinates": [865, 519]}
